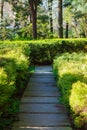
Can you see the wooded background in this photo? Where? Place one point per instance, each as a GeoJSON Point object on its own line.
{"type": "Point", "coordinates": [32, 19]}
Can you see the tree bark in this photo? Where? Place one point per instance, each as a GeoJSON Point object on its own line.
{"type": "Point", "coordinates": [33, 8]}
{"type": "Point", "coordinates": [50, 15]}
{"type": "Point", "coordinates": [2, 5]}
{"type": "Point", "coordinates": [60, 19]}
{"type": "Point", "coordinates": [34, 22]}
{"type": "Point", "coordinates": [67, 27]}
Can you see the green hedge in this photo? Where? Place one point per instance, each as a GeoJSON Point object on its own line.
{"type": "Point", "coordinates": [71, 74]}
{"type": "Point", "coordinates": [14, 65]}
{"type": "Point", "coordinates": [44, 51]}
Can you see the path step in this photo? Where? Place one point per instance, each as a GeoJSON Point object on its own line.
{"type": "Point", "coordinates": [37, 88]}
{"type": "Point", "coordinates": [42, 120]}
{"type": "Point", "coordinates": [42, 128]}
{"type": "Point", "coordinates": [51, 100]}
{"type": "Point", "coordinates": [40, 107]}
{"type": "Point", "coordinates": [39, 93]}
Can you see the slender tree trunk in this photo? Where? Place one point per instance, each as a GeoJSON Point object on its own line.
{"type": "Point", "coordinates": [30, 18]}
{"type": "Point", "coordinates": [33, 8]}
{"type": "Point", "coordinates": [84, 23]}
{"type": "Point", "coordinates": [50, 15]}
{"type": "Point", "coordinates": [76, 30]}
{"type": "Point", "coordinates": [67, 28]}
{"type": "Point", "coordinates": [60, 19]}
{"type": "Point", "coordinates": [2, 5]}
{"type": "Point", "coordinates": [34, 22]}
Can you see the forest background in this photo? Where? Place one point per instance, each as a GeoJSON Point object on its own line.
{"type": "Point", "coordinates": [34, 19]}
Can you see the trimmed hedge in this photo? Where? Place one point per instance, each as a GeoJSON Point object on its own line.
{"type": "Point", "coordinates": [44, 51]}
{"type": "Point", "coordinates": [71, 74]}
{"type": "Point", "coordinates": [14, 65]}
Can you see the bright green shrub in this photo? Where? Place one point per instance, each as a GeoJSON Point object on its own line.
{"type": "Point", "coordinates": [65, 82]}
{"type": "Point", "coordinates": [7, 83]}
{"type": "Point", "coordinates": [7, 87]}
{"type": "Point", "coordinates": [14, 64]}
{"type": "Point", "coordinates": [78, 102]}
{"type": "Point", "coordinates": [71, 73]}
{"type": "Point", "coordinates": [21, 65]}
{"type": "Point", "coordinates": [8, 46]}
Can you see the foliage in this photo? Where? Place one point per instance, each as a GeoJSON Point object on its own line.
{"type": "Point", "coordinates": [78, 14]}
{"type": "Point", "coordinates": [42, 23]}
{"type": "Point", "coordinates": [71, 70]}
{"type": "Point", "coordinates": [16, 22]}
{"type": "Point", "coordinates": [44, 51]}
{"type": "Point", "coordinates": [80, 9]}
{"type": "Point", "coordinates": [78, 101]}
{"type": "Point", "coordinates": [14, 64]}
{"type": "Point", "coordinates": [16, 56]}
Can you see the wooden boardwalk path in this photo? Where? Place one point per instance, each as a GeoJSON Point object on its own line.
{"type": "Point", "coordinates": [40, 108]}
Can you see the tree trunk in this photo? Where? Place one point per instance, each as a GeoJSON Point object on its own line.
{"type": "Point", "coordinates": [84, 19]}
{"type": "Point", "coordinates": [50, 15]}
{"type": "Point", "coordinates": [60, 19]}
{"type": "Point", "coordinates": [30, 18]}
{"type": "Point", "coordinates": [33, 8]}
{"type": "Point", "coordinates": [2, 5]}
{"type": "Point", "coordinates": [67, 27]}
{"type": "Point", "coordinates": [34, 23]}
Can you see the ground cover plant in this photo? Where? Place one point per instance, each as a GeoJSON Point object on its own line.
{"type": "Point", "coordinates": [71, 74]}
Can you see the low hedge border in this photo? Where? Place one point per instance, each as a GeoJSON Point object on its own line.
{"type": "Point", "coordinates": [14, 68]}
{"type": "Point", "coordinates": [71, 75]}
{"type": "Point", "coordinates": [44, 51]}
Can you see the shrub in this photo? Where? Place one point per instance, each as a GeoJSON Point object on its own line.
{"type": "Point", "coordinates": [44, 51]}
{"type": "Point", "coordinates": [14, 64]}
{"type": "Point", "coordinates": [7, 87]}
{"type": "Point", "coordinates": [78, 102]}
{"type": "Point", "coordinates": [70, 71]}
